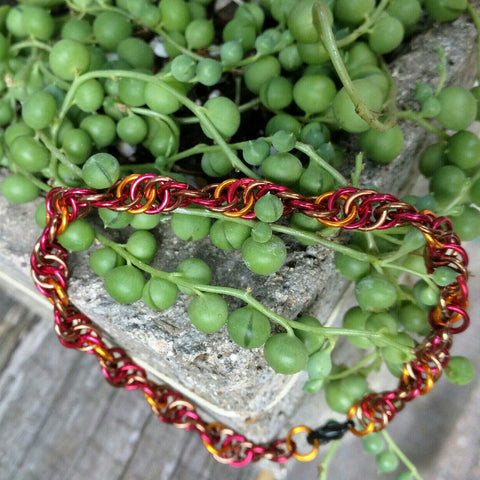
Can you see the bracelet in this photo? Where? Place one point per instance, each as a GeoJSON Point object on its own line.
{"type": "Point", "coordinates": [347, 208]}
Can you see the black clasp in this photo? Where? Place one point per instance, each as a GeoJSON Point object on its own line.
{"type": "Point", "coordinates": [332, 430]}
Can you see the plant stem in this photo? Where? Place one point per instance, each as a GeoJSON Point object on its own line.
{"type": "Point", "coordinates": [391, 100]}
{"type": "Point", "coordinates": [324, 465]}
{"type": "Point", "coordinates": [340, 331]}
{"type": "Point", "coordinates": [36, 181]}
{"type": "Point", "coordinates": [313, 155]}
{"type": "Point", "coordinates": [238, 90]}
{"type": "Point", "coordinates": [392, 445]}
{"type": "Point", "coordinates": [248, 105]}
{"type": "Point", "coordinates": [389, 238]}
{"type": "Point", "coordinates": [321, 22]}
{"type": "Point", "coordinates": [247, 61]}
{"type": "Point", "coordinates": [416, 273]}
{"type": "Point", "coordinates": [359, 167]}
{"type": "Point", "coordinates": [418, 118]}
{"type": "Point", "coordinates": [442, 70]}
{"type": "Point", "coordinates": [32, 43]}
{"type": "Point", "coordinates": [150, 113]}
{"type": "Point", "coordinates": [370, 358]}
{"type": "Point", "coordinates": [179, 47]}
{"type": "Point", "coordinates": [365, 26]}
{"type": "Point", "coordinates": [59, 155]}
{"type": "Point", "coordinates": [92, 10]}
{"type": "Point", "coordinates": [324, 242]}
{"type": "Point", "coordinates": [242, 108]}
{"type": "Point", "coordinates": [54, 79]}
{"type": "Point", "coordinates": [463, 195]}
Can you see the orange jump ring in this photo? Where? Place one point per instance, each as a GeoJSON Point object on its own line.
{"type": "Point", "coordinates": [61, 207]}
{"type": "Point", "coordinates": [150, 196]}
{"type": "Point", "coordinates": [105, 354]}
{"type": "Point", "coordinates": [359, 433]}
{"type": "Point", "coordinates": [62, 294]}
{"type": "Point", "coordinates": [323, 196]}
{"type": "Point", "coordinates": [338, 223]}
{"type": "Point", "coordinates": [242, 211]}
{"type": "Point", "coordinates": [428, 381]}
{"type": "Point", "coordinates": [436, 314]}
{"type": "Point", "coordinates": [154, 403]}
{"type": "Point", "coordinates": [121, 185]}
{"type": "Point", "coordinates": [64, 223]}
{"type": "Point", "coordinates": [302, 457]}
{"type": "Point", "coordinates": [214, 451]}
{"type": "Point", "coordinates": [432, 241]}
{"type": "Point", "coordinates": [222, 186]}
{"type": "Point", "coordinates": [211, 449]}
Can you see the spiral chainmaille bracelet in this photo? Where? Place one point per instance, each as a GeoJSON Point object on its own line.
{"type": "Point", "coordinates": [347, 208]}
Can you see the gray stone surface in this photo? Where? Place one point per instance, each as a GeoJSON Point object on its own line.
{"type": "Point", "coordinates": [228, 382]}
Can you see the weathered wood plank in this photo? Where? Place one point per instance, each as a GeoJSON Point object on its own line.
{"type": "Point", "coordinates": [60, 419]}
{"type": "Point", "coordinates": [16, 321]}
